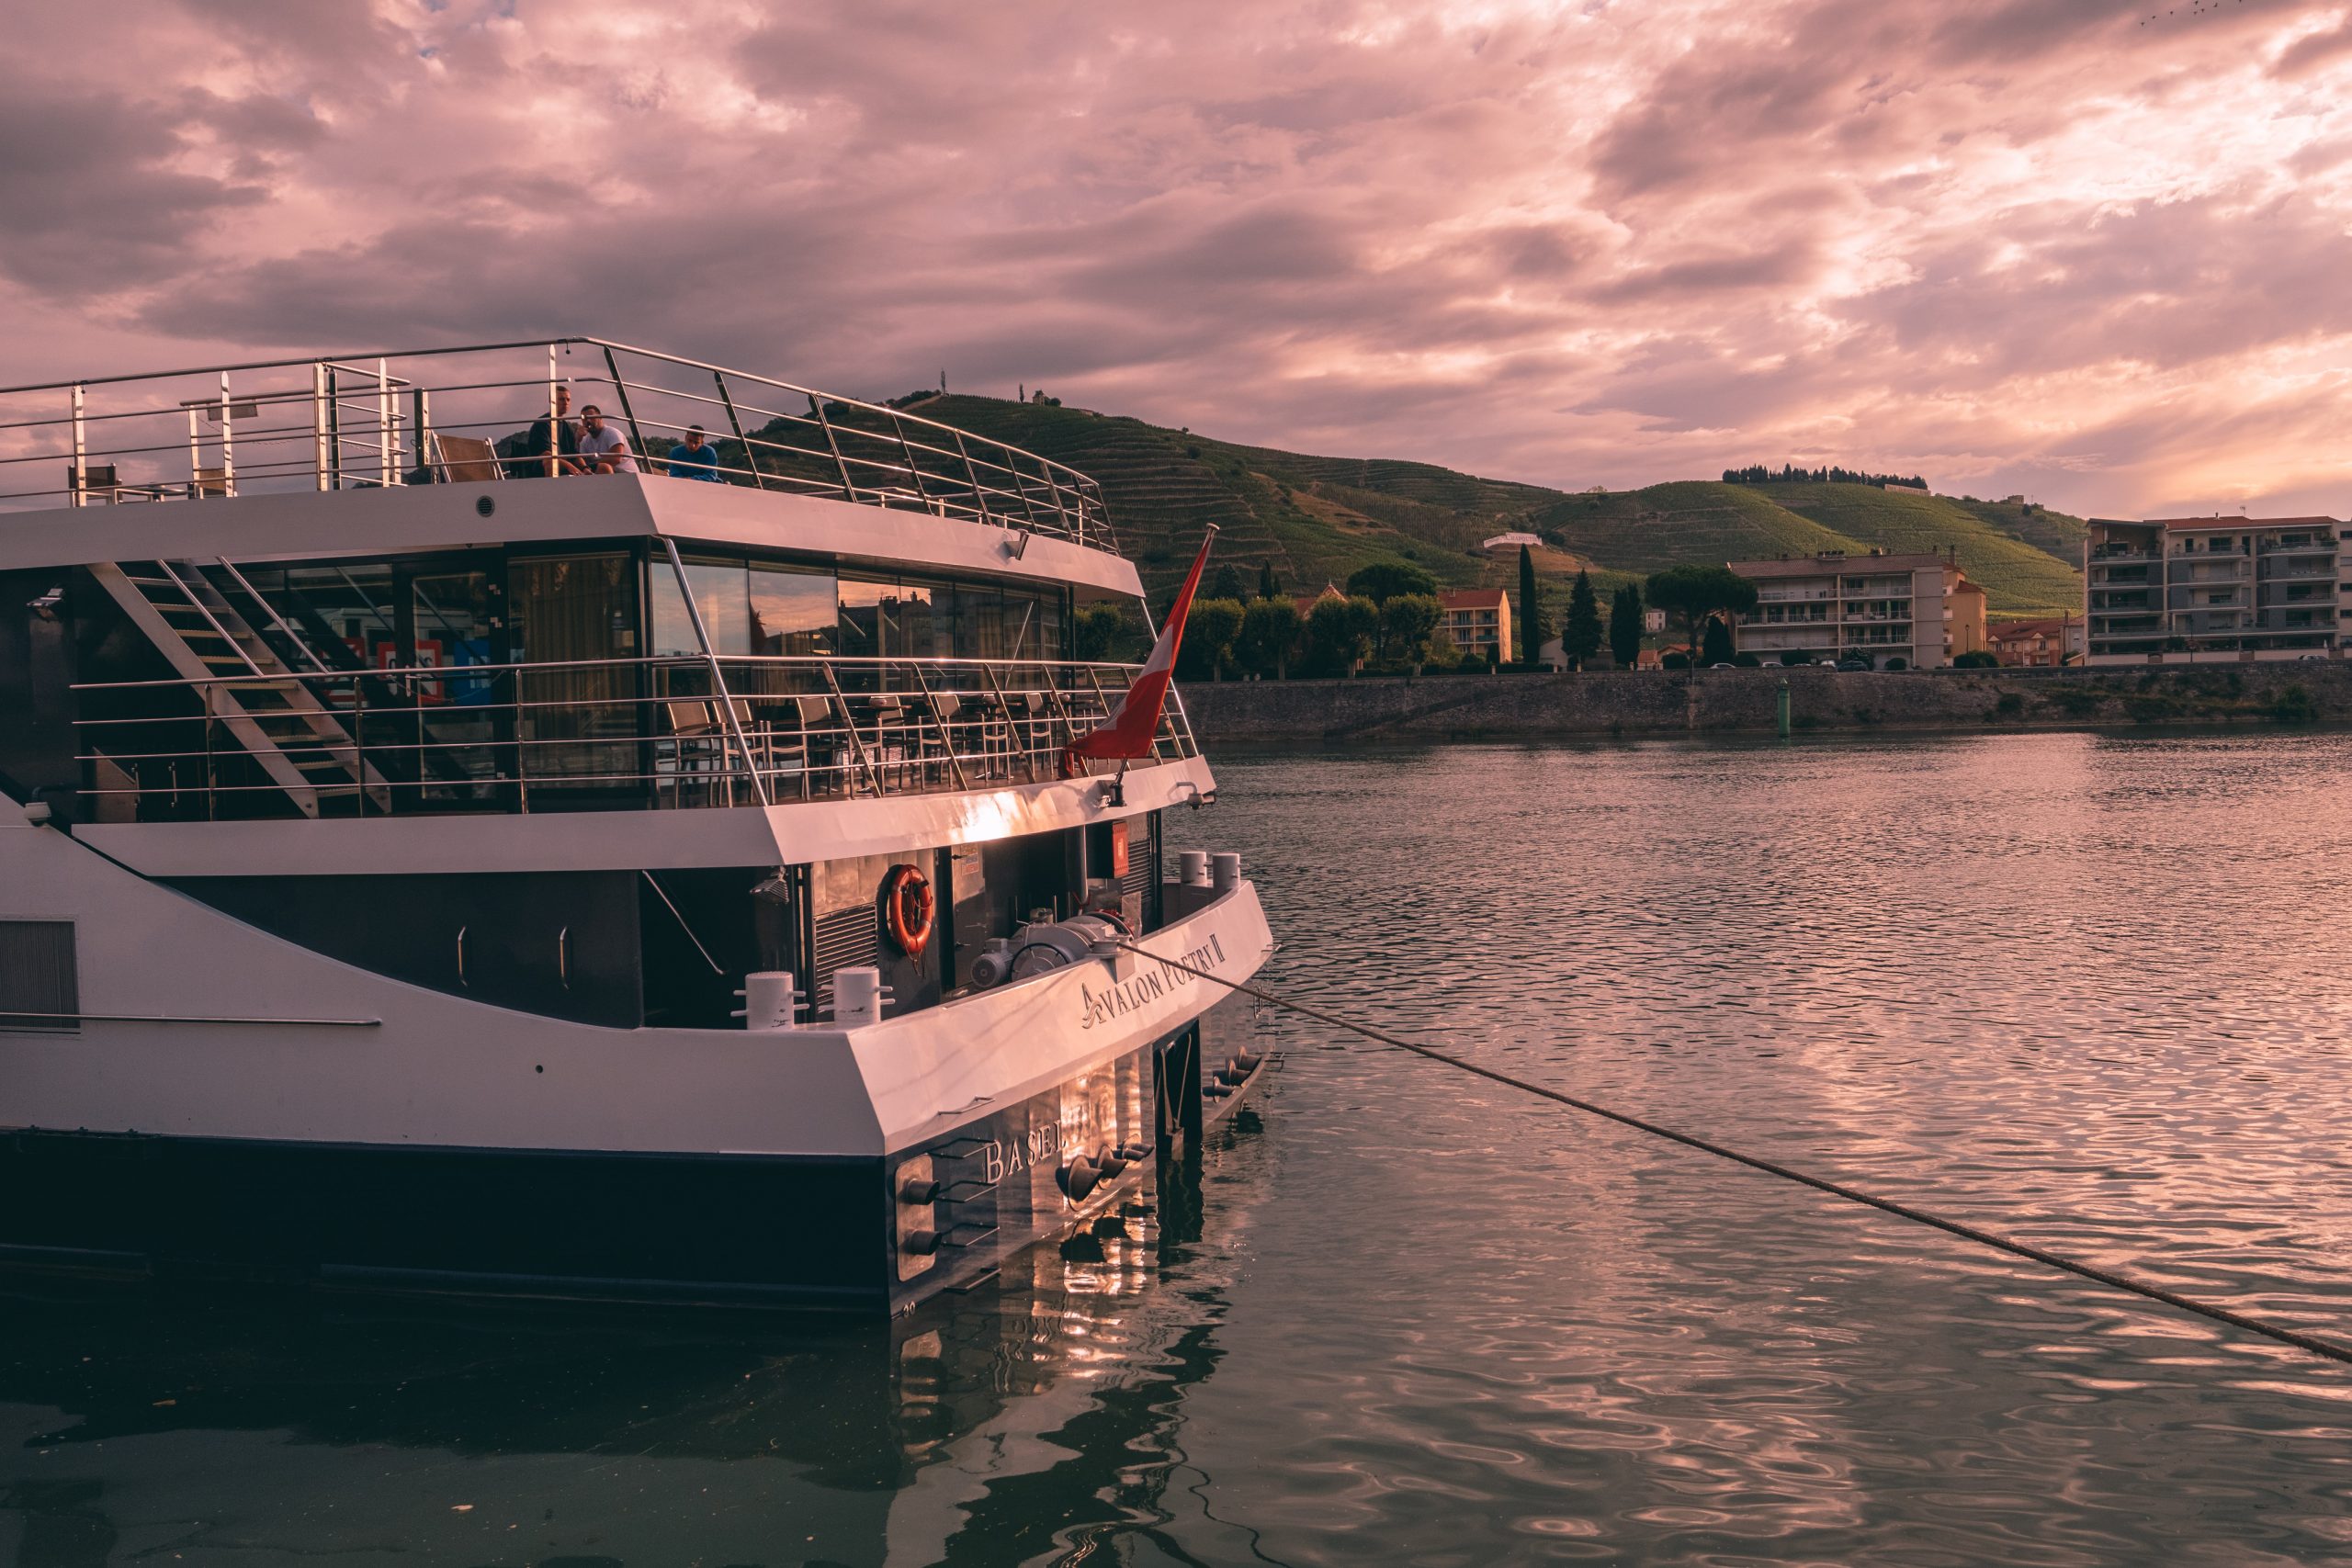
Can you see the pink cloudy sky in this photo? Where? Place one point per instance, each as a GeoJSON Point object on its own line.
{"type": "Point", "coordinates": [2048, 245]}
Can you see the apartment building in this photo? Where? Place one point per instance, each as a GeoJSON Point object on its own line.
{"type": "Point", "coordinates": [2214, 589]}
{"type": "Point", "coordinates": [1479, 620]}
{"type": "Point", "coordinates": [1884, 607]}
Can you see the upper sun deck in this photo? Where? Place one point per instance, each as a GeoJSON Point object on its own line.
{"type": "Point", "coordinates": [482, 413]}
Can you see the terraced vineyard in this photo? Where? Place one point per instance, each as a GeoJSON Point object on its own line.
{"type": "Point", "coordinates": [1317, 519]}
{"type": "Point", "coordinates": [2014, 575]}
{"type": "Point", "coordinates": [1667, 525]}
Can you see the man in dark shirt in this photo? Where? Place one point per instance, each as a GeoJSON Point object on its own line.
{"type": "Point", "coordinates": [562, 442]}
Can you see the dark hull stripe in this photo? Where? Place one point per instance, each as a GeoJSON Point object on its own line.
{"type": "Point", "coordinates": [744, 1229]}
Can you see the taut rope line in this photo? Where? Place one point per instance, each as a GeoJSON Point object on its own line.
{"type": "Point", "coordinates": [2154, 1292]}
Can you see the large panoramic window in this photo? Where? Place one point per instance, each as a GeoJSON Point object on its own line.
{"type": "Point", "coordinates": [723, 593]}
{"type": "Point", "coordinates": [793, 612]}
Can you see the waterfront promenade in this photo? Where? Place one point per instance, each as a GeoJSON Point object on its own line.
{"type": "Point", "coordinates": [1482, 706]}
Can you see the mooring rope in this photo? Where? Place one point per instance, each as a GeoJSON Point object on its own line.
{"type": "Point", "coordinates": [2154, 1292]}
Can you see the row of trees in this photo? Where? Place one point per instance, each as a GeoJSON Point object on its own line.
{"type": "Point", "coordinates": [1337, 636]}
{"type": "Point", "coordinates": [1390, 619]}
{"type": "Point", "coordinates": [1788, 473]}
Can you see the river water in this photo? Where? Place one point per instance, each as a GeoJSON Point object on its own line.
{"type": "Point", "coordinates": [2091, 990]}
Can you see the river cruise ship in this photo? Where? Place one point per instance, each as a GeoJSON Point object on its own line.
{"type": "Point", "coordinates": [559, 820]}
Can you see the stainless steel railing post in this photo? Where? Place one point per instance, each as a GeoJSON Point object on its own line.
{"type": "Point", "coordinates": [628, 415]}
{"type": "Point", "coordinates": [384, 430]}
{"type": "Point", "coordinates": [320, 459]}
{"type": "Point", "coordinates": [751, 459]}
{"type": "Point", "coordinates": [849, 490]}
{"type": "Point", "coordinates": [228, 440]}
{"type": "Point", "coordinates": [81, 467]}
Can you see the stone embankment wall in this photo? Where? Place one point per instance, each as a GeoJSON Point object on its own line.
{"type": "Point", "coordinates": [1442, 707]}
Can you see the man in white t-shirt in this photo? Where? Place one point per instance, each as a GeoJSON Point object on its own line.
{"type": "Point", "coordinates": [603, 449]}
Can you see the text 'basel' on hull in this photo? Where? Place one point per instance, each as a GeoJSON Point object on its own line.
{"type": "Point", "coordinates": [557, 819]}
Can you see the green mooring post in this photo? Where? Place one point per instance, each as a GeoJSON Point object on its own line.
{"type": "Point", "coordinates": [1784, 707]}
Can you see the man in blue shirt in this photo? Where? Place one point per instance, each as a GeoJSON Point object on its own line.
{"type": "Point", "coordinates": [694, 458]}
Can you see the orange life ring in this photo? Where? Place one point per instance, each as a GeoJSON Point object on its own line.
{"type": "Point", "coordinates": [906, 910]}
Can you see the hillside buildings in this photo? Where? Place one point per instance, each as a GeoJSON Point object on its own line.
{"type": "Point", "coordinates": [1479, 620]}
{"type": "Point", "coordinates": [1512, 542]}
{"type": "Point", "coordinates": [2214, 589]}
{"type": "Point", "coordinates": [1919, 608]}
{"type": "Point", "coordinates": [2043, 644]}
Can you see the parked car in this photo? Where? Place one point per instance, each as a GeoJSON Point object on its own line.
{"type": "Point", "coordinates": [1855, 664]}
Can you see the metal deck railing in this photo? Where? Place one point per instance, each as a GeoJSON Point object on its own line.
{"type": "Point", "coordinates": [469, 413]}
{"type": "Point", "coordinates": [602, 734]}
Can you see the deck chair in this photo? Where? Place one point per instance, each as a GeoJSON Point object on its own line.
{"type": "Point", "coordinates": [465, 459]}
{"type": "Point", "coordinates": [96, 481]}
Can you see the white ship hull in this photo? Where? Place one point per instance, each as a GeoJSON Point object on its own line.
{"type": "Point", "coordinates": [340, 1124]}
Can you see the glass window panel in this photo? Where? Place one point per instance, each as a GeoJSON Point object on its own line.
{"type": "Point", "coordinates": [1022, 637]}
{"type": "Point", "coordinates": [1051, 625]}
{"type": "Point", "coordinates": [578, 723]}
{"type": "Point", "coordinates": [866, 617]}
{"type": "Point", "coordinates": [722, 593]}
{"type": "Point", "coordinates": [456, 620]}
{"type": "Point", "coordinates": [916, 614]}
{"type": "Point", "coordinates": [971, 626]}
{"type": "Point", "coordinates": [793, 613]}
{"type": "Point", "coordinates": [353, 603]}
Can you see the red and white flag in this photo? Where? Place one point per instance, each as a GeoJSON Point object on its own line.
{"type": "Point", "coordinates": [1133, 723]}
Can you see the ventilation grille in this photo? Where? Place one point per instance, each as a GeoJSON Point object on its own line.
{"type": "Point", "coordinates": [37, 989]}
{"type": "Point", "coordinates": [846, 938]}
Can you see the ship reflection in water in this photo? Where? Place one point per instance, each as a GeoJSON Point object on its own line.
{"type": "Point", "coordinates": [1027, 1416]}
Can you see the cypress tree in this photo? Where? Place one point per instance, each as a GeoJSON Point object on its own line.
{"type": "Point", "coordinates": [1267, 587]}
{"type": "Point", "coordinates": [1530, 610]}
{"type": "Point", "coordinates": [1715, 642]}
{"type": "Point", "coordinates": [1625, 627]}
{"type": "Point", "coordinates": [1582, 637]}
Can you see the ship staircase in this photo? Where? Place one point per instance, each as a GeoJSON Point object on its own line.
{"type": "Point", "coordinates": [191, 613]}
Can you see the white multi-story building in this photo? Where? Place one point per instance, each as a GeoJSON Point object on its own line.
{"type": "Point", "coordinates": [1834, 605]}
{"type": "Point", "coordinates": [2214, 589]}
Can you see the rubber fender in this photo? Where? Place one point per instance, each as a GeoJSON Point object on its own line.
{"type": "Point", "coordinates": [1214, 1091]}
{"type": "Point", "coordinates": [916, 1190]}
{"type": "Point", "coordinates": [1134, 1152]}
{"type": "Point", "coordinates": [922, 1244]}
{"type": "Point", "coordinates": [1077, 1178]}
{"type": "Point", "coordinates": [1248, 1063]}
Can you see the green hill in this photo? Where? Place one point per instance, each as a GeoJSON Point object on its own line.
{"type": "Point", "coordinates": [2053, 533]}
{"type": "Point", "coordinates": [1313, 518]}
{"type": "Point", "coordinates": [1690, 520]}
{"type": "Point", "coordinates": [2014, 575]}
{"type": "Point", "coordinates": [1317, 519]}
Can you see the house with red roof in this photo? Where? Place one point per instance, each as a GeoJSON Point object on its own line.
{"type": "Point", "coordinates": [1479, 620]}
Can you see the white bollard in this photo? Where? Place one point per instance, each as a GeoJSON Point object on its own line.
{"type": "Point", "coordinates": [859, 996]}
{"type": "Point", "coordinates": [1225, 871]}
{"type": "Point", "coordinates": [1193, 867]}
{"type": "Point", "coordinates": [769, 1001]}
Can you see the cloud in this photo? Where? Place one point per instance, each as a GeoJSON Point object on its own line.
{"type": "Point", "coordinates": [92, 193]}
{"type": "Point", "coordinates": [2315, 49]}
{"type": "Point", "coordinates": [1567, 243]}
